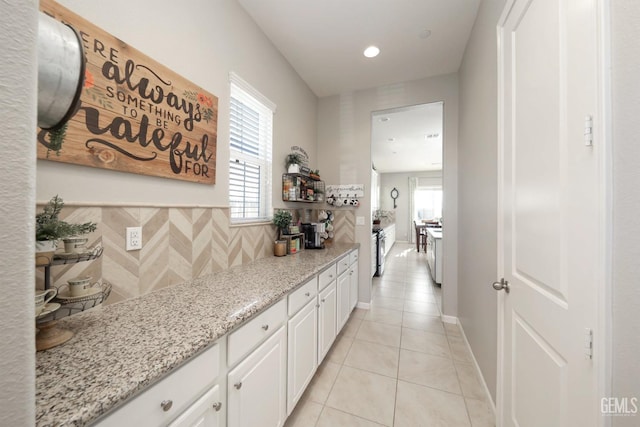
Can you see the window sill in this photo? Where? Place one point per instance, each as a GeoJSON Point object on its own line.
{"type": "Point", "coordinates": [249, 222]}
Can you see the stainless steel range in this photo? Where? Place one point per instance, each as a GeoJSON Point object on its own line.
{"type": "Point", "coordinates": [380, 252]}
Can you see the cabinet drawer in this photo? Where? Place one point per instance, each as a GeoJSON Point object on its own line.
{"type": "Point", "coordinates": [302, 295]}
{"type": "Point", "coordinates": [343, 264]}
{"type": "Point", "coordinates": [252, 333]}
{"type": "Point", "coordinates": [180, 388]}
{"type": "Point", "coordinates": [327, 276]}
{"type": "Point", "coordinates": [353, 257]}
{"type": "Point", "coordinates": [205, 412]}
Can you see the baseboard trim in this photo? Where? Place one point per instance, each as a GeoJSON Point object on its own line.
{"type": "Point", "coordinates": [478, 371]}
{"type": "Point", "coordinates": [363, 305]}
{"type": "Point", "coordinates": [449, 319]}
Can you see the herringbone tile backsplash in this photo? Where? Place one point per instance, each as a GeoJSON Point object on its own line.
{"type": "Point", "coordinates": [178, 244]}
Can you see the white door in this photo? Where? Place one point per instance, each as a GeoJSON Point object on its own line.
{"type": "Point", "coordinates": [353, 284]}
{"type": "Point", "coordinates": [327, 318]}
{"type": "Point", "coordinates": [549, 212]}
{"type": "Point", "coordinates": [343, 290]}
{"type": "Point", "coordinates": [257, 386]}
{"type": "Point", "coordinates": [303, 352]}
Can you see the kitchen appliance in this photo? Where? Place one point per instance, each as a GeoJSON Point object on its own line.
{"type": "Point", "coordinates": [312, 235]}
{"type": "Point", "coordinates": [380, 252]}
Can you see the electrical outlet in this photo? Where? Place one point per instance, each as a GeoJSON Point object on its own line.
{"type": "Point", "coordinates": [359, 220]}
{"type": "Point", "coordinates": [134, 238]}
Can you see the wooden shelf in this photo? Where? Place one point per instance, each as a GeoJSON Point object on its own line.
{"type": "Point", "coordinates": [302, 188]}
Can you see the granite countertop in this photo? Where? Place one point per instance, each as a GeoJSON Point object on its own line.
{"type": "Point", "coordinates": [120, 349]}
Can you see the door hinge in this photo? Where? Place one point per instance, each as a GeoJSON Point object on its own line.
{"type": "Point", "coordinates": [588, 131]}
{"type": "Point", "coordinates": [588, 344]}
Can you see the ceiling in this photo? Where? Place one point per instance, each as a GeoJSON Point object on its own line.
{"type": "Point", "coordinates": [324, 40]}
{"type": "Point", "coordinates": [407, 139]}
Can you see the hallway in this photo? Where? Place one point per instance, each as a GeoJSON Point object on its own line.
{"type": "Point", "coordinates": [397, 364]}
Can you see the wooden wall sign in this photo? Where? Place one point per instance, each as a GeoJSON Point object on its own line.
{"type": "Point", "coordinates": [135, 115]}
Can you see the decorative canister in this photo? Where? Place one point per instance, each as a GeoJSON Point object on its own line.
{"type": "Point", "coordinates": [280, 248]}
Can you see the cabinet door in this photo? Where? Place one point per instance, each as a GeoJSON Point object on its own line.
{"type": "Point", "coordinates": [327, 318]}
{"type": "Point", "coordinates": [437, 259]}
{"type": "Point", "coordinates": [257, 386]}
{"type": "Point", "coordinates": [205, 412]}
{"type": "Point", "coordinates": [303, 352]}
{"type": "Point", "coordinates": [344, 287]}
{"type": "Point", "coordinates": [353, 282]}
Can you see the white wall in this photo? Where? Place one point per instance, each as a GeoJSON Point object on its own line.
{"type": "Point", "coordinates": [18, 83]}
{"type": "Point", "coordinates": [344, 155]}
{"type": "Point", "coordinates": [203, 41]}
{"type": "Point", "coordinates": [404, 218]}
{"type": "Point", "coordinates": [478, 165]}
{"type": "Point", "coordinates": [626, 203]}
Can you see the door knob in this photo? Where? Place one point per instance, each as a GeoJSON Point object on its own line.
{"type": "Point", "coordinates": [502, 284]}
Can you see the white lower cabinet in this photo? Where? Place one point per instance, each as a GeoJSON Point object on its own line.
{"type": "Point", "coordinates": [327, 318]}
{"type": "Point", "coordinates": [256, 388]}
{"type": "Point", "coordinates": [273, 357]}
{"type": "Point", "coordinates": [353, 286]}
{"type": "Point", "coordinates": [205, 412]}
{"type": "Point", "coordinates": [302, 349]}
{"type": "Point", "coordinates": [343, 303]}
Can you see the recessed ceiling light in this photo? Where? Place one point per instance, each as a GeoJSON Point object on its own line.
{"type": "Point", "coordinates": [424, 34]}
{"type": "Point", "coordinates": [371, 52]}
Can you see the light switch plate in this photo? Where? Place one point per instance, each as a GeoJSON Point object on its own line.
{"type": "Point", "coordinates": [134, 238]}
{"type": "Point", "coordinates": [359, 220]}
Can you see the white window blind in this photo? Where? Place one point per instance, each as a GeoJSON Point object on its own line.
{"type": "Point", "coordinates": [250, 140]}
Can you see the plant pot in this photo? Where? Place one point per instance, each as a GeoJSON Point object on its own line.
{"type": "Point", "coordinates": [44, 251]}
{"type": "Point", "coordinates": [294, 168]}
{"type": "Point", "coordinates": [74, 245]}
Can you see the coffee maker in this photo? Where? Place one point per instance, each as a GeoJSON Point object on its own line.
{"type": "Point", "coordinates": [312, 235]}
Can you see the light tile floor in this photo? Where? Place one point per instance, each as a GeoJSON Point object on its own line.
{"type": "Point", "coordinates": [397, 364]}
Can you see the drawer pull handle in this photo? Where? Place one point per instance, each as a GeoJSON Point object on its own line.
{"type": "Point", "coordinates": [322, 300]}
{"type": "Point", "coordinates": [166, 405]}
{"type": "Point", "coordinates": [217, 406]}
{"type": "Point", "coordinates": [331, 276]}
{"type": "Point", "coordinates": [265, 327]}
{"type": "Point", "coordinates": [307, 294]}
{"type": "Point", "coordinates": [238, 386]}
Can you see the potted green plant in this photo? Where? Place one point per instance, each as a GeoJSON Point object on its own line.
{"type": "Point", "coordinates": [50, 229]}
{"type": "Point", "coordinates": [282, 220]}
{"type": "Point", "coordinates": [293, 162]}
{"type": "Point", "coordinates": [315, 174]}
{"type": "Point", "coordinates": [56, 139]}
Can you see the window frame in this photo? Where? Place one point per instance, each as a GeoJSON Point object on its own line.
{"type": "Point", "coordinates": [243, 92]}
